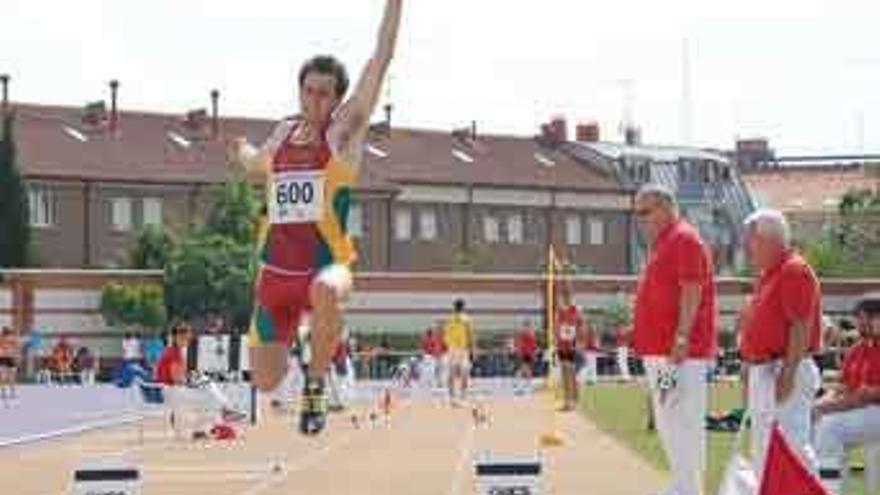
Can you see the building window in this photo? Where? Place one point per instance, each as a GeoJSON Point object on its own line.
{"type": "Point", "coordinates": [490, 228]}
{"type": "Point", "coordinates": [403, 224]}
{"type": "Point", "coordinates": [428, 225]}
{"type": "Point", "coordinates": [597, 232]}
{"type": "Point", "coordinates": [515, 228]}
{"type": "Point", "coordinates": [573, 233]}
{"type": "Point", "coordinates": [121, 214]}
{"type": "Point", "coordinates": [152, 210]}
{"type": "Point", "coordinates": [356, 220]}
{"type": "Point", "coordinates": [42, 207]}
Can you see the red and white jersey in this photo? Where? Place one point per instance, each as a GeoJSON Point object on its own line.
{"type": "Point", "coordinates": [568, 323]}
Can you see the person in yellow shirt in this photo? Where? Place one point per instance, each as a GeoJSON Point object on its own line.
{"type": "Point", "coordinates": [458, 335]}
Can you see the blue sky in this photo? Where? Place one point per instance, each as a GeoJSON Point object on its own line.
{"type": "Point", "coordinates": [804, 73]}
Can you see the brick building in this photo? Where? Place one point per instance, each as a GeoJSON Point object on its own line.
{"type": "Point", "coordinates": [425, 201]}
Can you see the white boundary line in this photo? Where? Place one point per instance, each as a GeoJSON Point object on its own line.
{"type": "Point", "coordinates": [73, 430]}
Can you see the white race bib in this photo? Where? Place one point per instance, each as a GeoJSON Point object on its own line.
{"type": "Point", "coordinates": [296, 197]}
{"type": "Point", "coordinates": [567, 332]}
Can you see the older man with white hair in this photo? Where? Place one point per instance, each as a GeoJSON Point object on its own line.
{"type": "Point", "coordinates": [674, 332]}
{"type": "Point", "coordinates": [782, 329]}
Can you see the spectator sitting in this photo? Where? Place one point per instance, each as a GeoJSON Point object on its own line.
{"type": "Point", "coordinates": [61, 364]}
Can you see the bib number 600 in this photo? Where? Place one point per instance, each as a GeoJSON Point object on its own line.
{"type": "Point", "coordinates": [294, 193]}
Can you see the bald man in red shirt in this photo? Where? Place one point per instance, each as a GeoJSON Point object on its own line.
{"type": "Point", "coordinates": [781, 331]}
{"type": "Point", "coordinates": [674, 332]}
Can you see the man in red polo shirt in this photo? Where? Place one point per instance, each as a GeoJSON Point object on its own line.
{"type": "Point", "coordinates": [851, 415]}
{"type": "Point", "coordinates": [432, 353]}
{"type": "Point", "coordinates": [674, 333]}
{"type": "Point", "coordinates": [200, 400]}
{"type": "Point", "coordinates": [526, 351]}
{"type": "Point", "coordinates": [781, 330]}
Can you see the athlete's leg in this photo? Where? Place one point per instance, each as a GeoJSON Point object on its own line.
{"type": "Point", "coordinates": [327, 293]}
{"type": "Point", "coordinates": [279, 305]}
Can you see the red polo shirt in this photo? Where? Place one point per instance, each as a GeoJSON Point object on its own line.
{"type": "Point", "coordinates": [172, 357]}
{"type": "Point", "coordinates": [861, 366]}
{"type": "Point", "coordinates": [784, 293]}
{"type": "Point", "coordinates": [677, 257]}
{"type": "Point", "coordinates": [527, 343]}
{"type": "Point", "coordinates": [432, 344]}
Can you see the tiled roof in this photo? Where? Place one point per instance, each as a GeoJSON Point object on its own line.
{"type": "Point", "coordinates": [805, 190]}
{"type": "Point", "coordinates": [53, 142]}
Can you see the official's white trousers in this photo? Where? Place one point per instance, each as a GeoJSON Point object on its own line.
{"type": "Point", "coordinates": [680, 418]}
{"type": "Point", "coordinates": [794, 415]}
{"type": "Point", "coordinates": [623, 362]}
{"type": "Point", "coordinates": [837, 432]}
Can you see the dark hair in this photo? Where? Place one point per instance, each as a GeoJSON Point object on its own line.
{"type": "Point", "coordinates": [869, 304]}
{"type": "Point", "coordinates": [326, 65]}
{"type": "Point", "coordinates": [180, 328]}
{"type": "Point", "coordinates": [458, 305]}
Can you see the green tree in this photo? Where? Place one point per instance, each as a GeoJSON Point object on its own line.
{"type": "Point", "coordinates": [150, 249]}
{"type": "Point", "coordinates": [15, 241]}
{"type": "Point", "coordinates": [133, 305]}
{"type": "Point", "coordinates": [210, 273]}
{"type": "Point", "coordinates": [851, 247]}
{"type": "Point", "coordinates": [211, 269]}
{"type": "Point", "coordinates": [234, 208]}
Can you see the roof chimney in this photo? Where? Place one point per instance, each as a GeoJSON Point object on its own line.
{"type": "Point", "coordinates": [474, 130]}
{"type": "Point", "coordinates": [4, 81]}
{"type": "Point", "coordinates": [388, 110]}
{"type": "Point", "coordinates": [587, 132]}
{"type": "Point", "coordinates": [632, 135]}
{"type": "Point", "coordinates": [114, 110]}
{"type": "Point", "coordinates": [215, 118]}
{"type": "Point", "coordinates": [555, 132]}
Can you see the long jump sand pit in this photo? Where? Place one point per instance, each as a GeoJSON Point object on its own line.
{"type": "Point", "coordinates": [427, 448]}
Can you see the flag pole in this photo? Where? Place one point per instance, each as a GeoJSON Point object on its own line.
{"type": "Point", "coordinates": [552, 437]}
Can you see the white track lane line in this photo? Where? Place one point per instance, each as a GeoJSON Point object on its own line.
{"type": "Point", "coordinates": [464, 454]}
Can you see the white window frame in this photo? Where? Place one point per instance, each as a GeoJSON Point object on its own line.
{"type": "Point", "coordinates": [574, 230]}
{"type": "Point", "coordinates": [515, 228]}
{"type": "Point", "coordinates": [597, 231]}
{"type": "Point", "coordinates": [491, 228]}
{"type": "Point", "coordinates": [402, 224]}
{"type": "Point", "coordinates": [121, 213]}
{"type": "Point", "coordinates": [428, 224]}
{"type": "Point", "coordinates": [151, 211]}
{"type": "Point", "coordinates": [42, 207]}
{"type": "Point", "coordinates": [356, 220]}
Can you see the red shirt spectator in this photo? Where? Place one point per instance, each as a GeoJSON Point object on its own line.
{"type": "Point", "coordinates": [678, 256]}
{"type": "Point", "coordinates": [526, 344]}
{"type": "Point", "coordinates": [861, 366]}
{"type": "Point", "coordinates": [786, 292]}
{"type": "Point", "coordinates": [341, 352]}
{"type": "Point", "coordinates": [171, 367]}
{"type": "Point", "coordinates": [432, 344]}
{"type": "Point", "coordinates": [591, 339]}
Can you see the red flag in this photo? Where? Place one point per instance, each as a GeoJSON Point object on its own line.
{"type": "Point", "coordinates": [785, 473]}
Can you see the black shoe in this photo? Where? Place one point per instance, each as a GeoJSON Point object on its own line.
{"type": "Point", "coordinates": [313, 410]}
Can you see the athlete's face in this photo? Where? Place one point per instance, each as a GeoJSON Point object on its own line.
{"type": "Point", "coordinates": [317, 97]}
